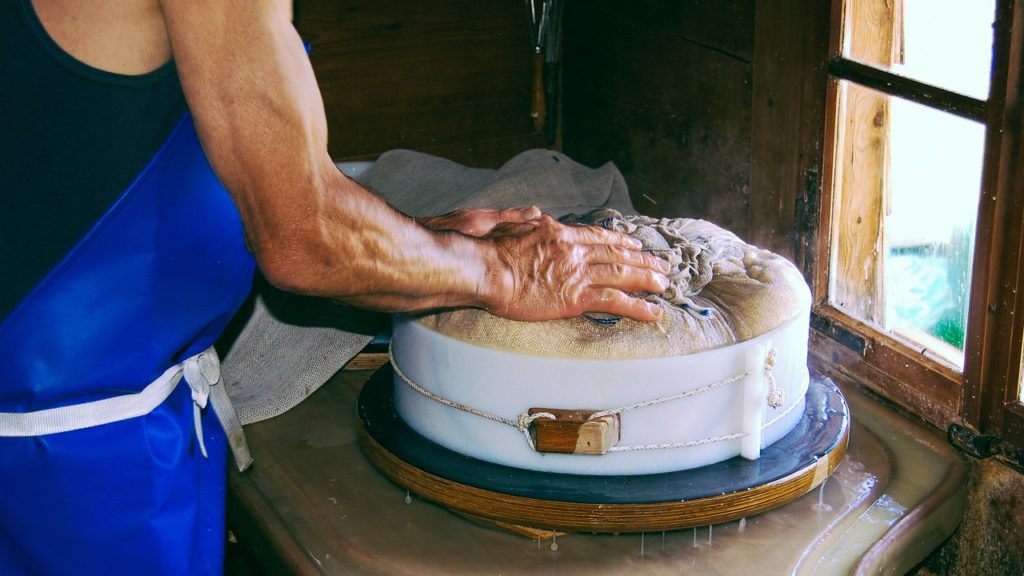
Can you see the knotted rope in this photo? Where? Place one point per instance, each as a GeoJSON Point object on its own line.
{"type": "Point", "coordinates": [524, 420]}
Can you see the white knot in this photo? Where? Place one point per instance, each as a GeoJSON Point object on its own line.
{"type": "Point", "coordinates": [526, 420]}
{"type": "Point", "coordinates": [201, 372]}
{"type": "Point", "coordinates": [776, 396]}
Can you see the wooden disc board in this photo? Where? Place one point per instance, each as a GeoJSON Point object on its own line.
{"type": "Point", "coordinates": [527, 501]}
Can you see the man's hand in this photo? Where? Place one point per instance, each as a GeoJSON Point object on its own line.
{"type": "Point", "coordinates": [477, 222]}
{"type": "Point", "coordinates": [556, 271]}
{"type": "Point", "coordinates": [559, 271]}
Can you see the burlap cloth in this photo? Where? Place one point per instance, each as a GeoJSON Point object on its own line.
{"type": "Point", "coordinates": [721, 291]}
{"type": "Point", "coordinates": [290, 346]}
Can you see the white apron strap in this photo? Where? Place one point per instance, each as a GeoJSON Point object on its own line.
{"type": "Point", "coordinates": [201, 372]}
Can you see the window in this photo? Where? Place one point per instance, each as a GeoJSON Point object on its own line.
{"type": "Point", "coordinates": [920, 234]}
{"type": "Point", "coordinates": [907, 176]}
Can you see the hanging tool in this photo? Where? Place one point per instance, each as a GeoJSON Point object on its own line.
{"type": "Point", "coordinates": [552, 54]}
{"type": "Point", "coordinates": [539, 12]}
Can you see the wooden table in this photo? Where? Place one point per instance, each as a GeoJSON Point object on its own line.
{"type": "Point", "coordinates": [312, 504]}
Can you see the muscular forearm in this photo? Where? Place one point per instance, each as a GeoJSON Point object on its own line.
{"type": "Point", "coordinates": [260, 118]}
{"type": "Point", "coordinates": [361, 251]}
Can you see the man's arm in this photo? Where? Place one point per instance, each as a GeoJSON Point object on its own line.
{"type": "Point", "coordinates": [260, 117]}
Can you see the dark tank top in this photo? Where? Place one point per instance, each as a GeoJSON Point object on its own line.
{"type": "Point", "coordinates": [72, 139]}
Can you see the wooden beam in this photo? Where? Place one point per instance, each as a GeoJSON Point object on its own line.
{"type": "Point", "coordinates": [787, 111]}
{"type": "Point", "coordinates": [862, 168]}
{"type": "Point", "coordinates": [994, 332]}
{"type": "Point", "coordinates": [918, 380]}
{"type": "Point", "coordinates": [909, 89]}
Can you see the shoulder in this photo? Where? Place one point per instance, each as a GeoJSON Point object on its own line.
{"type": "Point", "coordinates": [120, 36]}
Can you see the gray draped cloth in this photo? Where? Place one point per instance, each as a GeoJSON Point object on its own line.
{"type": "Point", "coordinates": [291, 345]}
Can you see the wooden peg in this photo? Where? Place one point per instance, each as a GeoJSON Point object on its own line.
{"type": "Point", "coordinates": [573, 432]}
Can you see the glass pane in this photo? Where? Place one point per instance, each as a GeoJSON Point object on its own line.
{"type": "Point", "coordinates": [918, 172]}
{"type": "Point", "coordinates": [946, 43]}
{"type": "Point", "coordinates": [1020, 381]}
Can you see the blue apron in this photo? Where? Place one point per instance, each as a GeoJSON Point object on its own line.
{"type": "Point", "coordinates": [152, 284]}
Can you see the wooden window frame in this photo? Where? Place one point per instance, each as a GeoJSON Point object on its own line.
{"type": "Point", "coordinates": [992, 370]}
{"type": "Point", "coordinates": [984, 396]}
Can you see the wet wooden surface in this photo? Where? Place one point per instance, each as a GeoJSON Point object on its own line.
{"type": "Point", "coordinates": [313, 504]}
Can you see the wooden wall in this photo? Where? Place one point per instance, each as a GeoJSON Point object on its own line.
{"type": "Point", "coordinates": [696, 101]}
{"type": "Point", "coordinates": [663, 89]}
{"type": "Point", "coordinates": [698, 104]}
{"type": "Point", "coordinates": [447, 77]}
